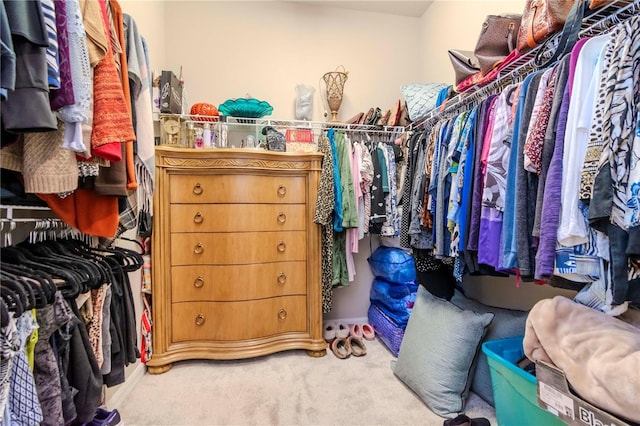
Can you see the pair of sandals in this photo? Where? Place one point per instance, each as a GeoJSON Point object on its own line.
{"type": "Point", "coordinates": [347, 340]}
{"type": "Point", "coordinates": [375, 117]}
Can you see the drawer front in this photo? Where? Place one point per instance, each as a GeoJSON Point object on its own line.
{"type": "Point", "coordinates": [237, 282]}
{"type": "Point", "coordinates": [237, 189]}
{"type": "Point", "coordinates": [237, 248]}
{"type": "Point", "coordinates": [237, 217]}
{"type": "Point", "coordinates": [233, 321]}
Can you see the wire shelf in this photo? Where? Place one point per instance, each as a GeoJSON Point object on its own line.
{"type": "Point", "coordinates": [298, 124]}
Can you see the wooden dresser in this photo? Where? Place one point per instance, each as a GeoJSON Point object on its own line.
{"type": "Point", "coordinates": [236, 255]}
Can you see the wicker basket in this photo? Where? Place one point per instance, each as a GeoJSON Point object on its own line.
{"type": "Point", "coordinates": [388, 331]}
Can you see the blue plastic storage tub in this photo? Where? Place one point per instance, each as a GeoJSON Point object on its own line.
{"type": "Point", "coordinates": [514, 390]}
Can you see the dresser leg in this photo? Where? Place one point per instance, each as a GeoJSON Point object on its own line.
{"type": "Point", "coordinates": [317, 354]}
{"type": "Point", "coordinates": [159, 369]}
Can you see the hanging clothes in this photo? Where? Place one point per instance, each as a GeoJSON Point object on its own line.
{"type": "Point", "coordinates": [535, 219]}
{"type": "Point", "coordinates": [323, 216]}
{"type": "Point", "coordinates": [66, 374]}
{"type": "Point", "coordinates": [27, 107]}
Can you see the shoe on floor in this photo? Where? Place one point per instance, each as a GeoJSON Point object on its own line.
{"type": "Point", "coordinates": [367, 331]}
{"type": "Point", "coordinates": [464, 420]}
{"type": "Point", "coordinates": [342, 330]}
{"type": "Point", "coordinates": [355, 330]}
{"type": "Point", "coordinates": [106, 418]}
{"type": "Point", "coordinates": [357, 346]}
{"type": "Point", "coordinates": [341, 348]}
{"type": "Point", "coordinates": [329, 331]}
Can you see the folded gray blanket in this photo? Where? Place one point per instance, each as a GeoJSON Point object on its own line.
{"type": "Point", "coordinates": [599, 354]}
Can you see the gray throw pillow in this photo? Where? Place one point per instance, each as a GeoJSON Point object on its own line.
{"type": "Point", "coordinates": [437, 351]}
{"type": "Point", "coordinates": [506, 323]}
{"type": "Point", "coordinates": [421, 98]}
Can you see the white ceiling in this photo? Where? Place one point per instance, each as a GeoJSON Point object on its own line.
{"type": "Point", "coordinates": [403, 8]}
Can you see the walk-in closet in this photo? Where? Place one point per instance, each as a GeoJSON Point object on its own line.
{"type": "Point", "coordinates": [319, 212]}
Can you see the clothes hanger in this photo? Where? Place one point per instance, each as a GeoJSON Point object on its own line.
{"type": "Point", "coordinates": [92, 267]}
{"type": "Point", "coordinates": [129, 259]}
{"type": "Point", "coordinates": [137, 242]}
{"type": "Point", "coordinates": [34, 253]}
{"type": "Point", "coordinates": [71, 286]}
{"type": "Point", "coordinates": [39, 278]}
{"type": "Point", "coordinates": [25, 294]}
{"type": "Point", "coordinates": [82, 249]}
{"type": "Point", "coordinates": [12, 301]}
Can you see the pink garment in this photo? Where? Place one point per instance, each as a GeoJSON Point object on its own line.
{"type": "Point", "coordinates": [486, 144]}
{"type": "Point", "coordinates": [356, 161]}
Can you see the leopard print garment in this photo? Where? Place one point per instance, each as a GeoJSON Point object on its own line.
{"type": "Point", "coordinates": [324, 218]}
{"type": "Point", "coordinates": [95, 326]}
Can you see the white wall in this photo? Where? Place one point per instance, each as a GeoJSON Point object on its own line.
{"type": "Point", "coordinates": [228, 49]}
{"type": "Point", "coordinates": [454, 24]}
{"type": "Point", "coordinates": [150, 18]}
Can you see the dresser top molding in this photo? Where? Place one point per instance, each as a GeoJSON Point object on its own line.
{"type": "Point", "coordinates": [235, 158]}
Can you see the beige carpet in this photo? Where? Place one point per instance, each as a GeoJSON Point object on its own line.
{"type": "Point", "coordinates": [287, 388]}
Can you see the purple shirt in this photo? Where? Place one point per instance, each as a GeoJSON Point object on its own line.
{"type": "Point", "coordinates": [64, 95]}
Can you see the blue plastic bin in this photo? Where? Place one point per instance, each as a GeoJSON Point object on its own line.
{"type": "Point", "coordinates": [514, 390]}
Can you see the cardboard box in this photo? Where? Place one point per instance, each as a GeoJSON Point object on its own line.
{"type": "Point", "coordinates": [555, 396]}
{"type": "Point", "coordinates": [170, 93]}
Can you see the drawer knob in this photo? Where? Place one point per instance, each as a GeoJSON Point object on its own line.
{"type": "Point", "coordinates": [282, 218]}
{"type": "Point", "coordinates": [282, 314]}
{"type": "Point", "coordinates": [282, 190]}
{"type": "Point", "coordinates": [198, 282]}
{"type": "Point", "coordinates": [282, 246]}
{"type": "Point", "coordinates": [198, 249]}
{"type": "Point", "coordinates": [198, 218]}
{"type": "Point", "coordinates": [282, 278]}
{"type": "Point", "coordinates": [200, 319]}
{"type": "Point", "coordinates": [197, 189]}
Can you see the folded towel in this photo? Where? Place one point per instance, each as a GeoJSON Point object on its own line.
{"type": "Point", "coordinates": [599, 354]}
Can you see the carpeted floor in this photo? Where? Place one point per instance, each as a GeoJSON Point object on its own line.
{"type": "Point", "coordinates": [287, 388]}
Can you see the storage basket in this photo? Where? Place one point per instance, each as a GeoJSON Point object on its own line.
{"type": "Point", "coordinates": [514, 390]}
{"type": "Point", "coordinates": [392, 264]}
{"type": "Point", "coordinates": [389, 332]}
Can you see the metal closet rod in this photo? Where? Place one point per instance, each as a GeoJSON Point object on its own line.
{"type": "Point", "coordinates": [598, 22]}
{"type": "Point", "coordinates": [10, 209]}
{"type": "Point", "coordinates": [42, 220]}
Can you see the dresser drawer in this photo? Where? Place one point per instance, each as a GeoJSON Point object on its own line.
{"type": "Point", "coordinates": [237, 217]}
{"type": "Point", "coordinates": [237, 282]}
{"type": "Point", "coordinates": [232, 321]}
{"type": "Point", "coordinates": [237, 248]}
{"type": "Point", "coordinates": [237, 189]}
